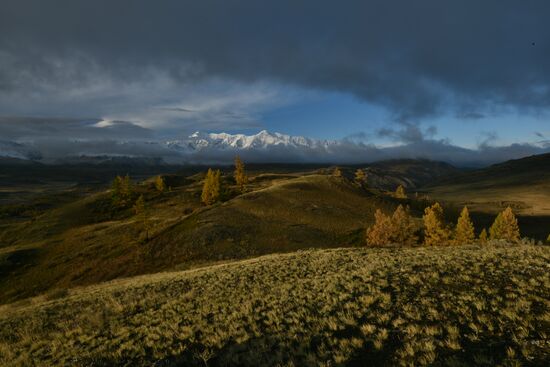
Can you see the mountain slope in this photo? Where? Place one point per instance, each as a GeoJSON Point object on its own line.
{"type": "Point", "coordinates": [459, 305]}
{"type": "Point", "coordinates": [523, 183]}
{"type": "Point", "coordinates": [83, 242]}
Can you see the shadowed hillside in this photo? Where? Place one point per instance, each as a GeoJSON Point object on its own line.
{"type": "Point", "coordinates": [84, 242]}
{"type": "Point", "coordinates": [410, 173]}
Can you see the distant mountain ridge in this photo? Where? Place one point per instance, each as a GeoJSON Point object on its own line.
{"type": "Point", "coordinates": [196, 147]}
{"type": "Point", "coordinates": [261, 140]}
{"type": "Point", "coordinates": [264, 147]}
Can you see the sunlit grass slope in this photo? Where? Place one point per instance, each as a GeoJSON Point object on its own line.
{"type": "Point", "coordinates": [523, 184]}
{"type": "Point", "coordinates": [461, 305]}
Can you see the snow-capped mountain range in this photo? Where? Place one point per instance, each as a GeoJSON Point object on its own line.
{"type": "Point", "coordinates": [263, 147]}
{"type": "Point", "coordinates": [263, 140]}
{"type": "Point", "coordinates": [198, 147]}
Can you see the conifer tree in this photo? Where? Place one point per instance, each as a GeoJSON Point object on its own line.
{"type": "Point", "coordinates": [116, 191]}
{"type": "Point", "coordinates": [398, 229]}
{"type": "Point", "coordinates": [141, 219]}
{"type": "Point", "coordinates": [400, 192]}
{"type": "Point", "coordinates": [139, 206]}
{"type": "Point", "coordinates": [240, 175]}
{"type": "Point", "coordinates": [505, 227]}
{"type": "Point", "coordinates": [403, 227]}
{"type": "Point", "coordinates": [337, 172]}
{"type": "Point", "coordinates": [127, 190]}
{"type": "Point", "coordinates": [122, 191]}
{"type": "Point", "coordinates": [380, 233]}
{"type": "Point", "coordinates": [217, 180]}
{"type": "Point", "coordinates": [211, 187]}
{"type": "Point", "coordinates": [435, 232]}
{"type": "Point", "coordinates": [483, 237]}
{"type": "Point", "coordinates": [160, 185]}
{"type": "Point", "coordinates": [464, 233]}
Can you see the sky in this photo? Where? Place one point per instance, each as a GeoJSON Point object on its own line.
{"type": "Point", "coordinates": [386, 73]}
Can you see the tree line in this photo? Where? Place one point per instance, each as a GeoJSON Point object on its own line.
{"type": "Point", "coordinates": [400, 228]}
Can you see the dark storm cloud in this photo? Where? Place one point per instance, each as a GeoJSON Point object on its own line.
{"type": "Point", "coordinates": [418, 58]}
{"type": "Point", "coordinates": [408, 133]}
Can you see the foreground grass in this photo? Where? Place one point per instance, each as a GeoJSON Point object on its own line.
{"type": "Point", "coordinates": [453, 306]}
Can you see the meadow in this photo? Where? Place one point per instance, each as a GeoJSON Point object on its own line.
{"type": "Point", "coordinates": [456, 306]}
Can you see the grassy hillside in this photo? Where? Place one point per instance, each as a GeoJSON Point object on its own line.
{"type": "Point", "coordinates": [523, 183]}
{"type": "Point", "coordinates": [69, 235]}
{"type": "Point", "coordinates": [460, 305]}
{"type": "Point", "coordinates": [84, 242]}
{"type": "Point", "coordinates": [410, 173]}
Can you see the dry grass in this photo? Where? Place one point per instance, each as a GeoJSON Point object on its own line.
{"type": "Point", "coordinates": [83, 242]}
{"type": "Point", "coordinates": [460, 305]}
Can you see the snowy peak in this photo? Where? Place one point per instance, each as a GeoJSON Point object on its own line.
{"type": "Point", "coordinates": [261, 140]}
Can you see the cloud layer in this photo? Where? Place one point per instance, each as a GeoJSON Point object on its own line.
{"type": "Point", "coordinates": [55, 140]}
{"type": "Point", "coordinates": [417, 58]}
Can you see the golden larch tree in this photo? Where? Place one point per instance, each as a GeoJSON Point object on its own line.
{"type": "Point", "coordinates": [122, 191]}
{"type": "Point", "coordinates": [400, 192]}
{"type": "Point", "coordinates": [380, 233]}
{"type": "Point", "coordinates": [127, 190]}
{"type": "Point", "coordinates": [360, 176]}
{"type": "Point", "coordinates": [403, 227]}
{"type": "Point", "coordinates": [160, 185]}
{"type": "Point", "coordinates": [337, 172]}
{"type": "Point", "coordinates": [211, 188]}
{"type": "Point", "coordinates": [139, 206]}
{"type": "Point", "coordinates": [464, 232]}
{"type": "Point", "coordinates": [505, 227]}
{"type": "Point", "coordinates": [435, 231]}
{"type": "Point", "coordinates": [240, 175]}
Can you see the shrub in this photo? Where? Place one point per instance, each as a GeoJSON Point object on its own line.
{"type": "Point", "coordinates": [435, 231]}
{"type": "Point", "coordinates": [211, 188]}
{"type": "Point", "coordinates": [505, 227]}
{"type": "Point", "coordinates": [464, 233]}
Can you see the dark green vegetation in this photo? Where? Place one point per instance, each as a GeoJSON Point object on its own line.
{"type": "Point", "coordinates": [463, 305]}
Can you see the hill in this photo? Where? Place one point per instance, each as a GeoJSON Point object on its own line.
{"type": "Point", "coordinates": [523, 184]}
{"type": "Point", "coordinates": [84, 242]}
{"type": "Point", "coordinates": [462, 305]}
{"type": "Point", "coordinates": [60, 235]}
{"type": "Point", "coordinates": [410, 173]}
